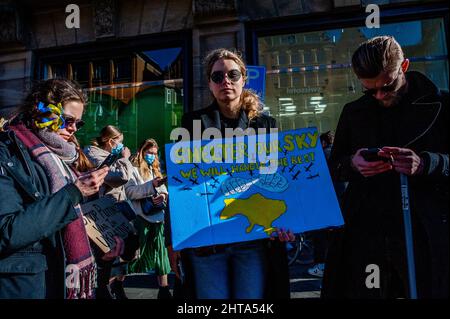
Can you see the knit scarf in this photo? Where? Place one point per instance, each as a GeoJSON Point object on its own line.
{"type": "Point", "coordinates": [81, 270]}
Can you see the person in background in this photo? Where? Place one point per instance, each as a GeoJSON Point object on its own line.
{"type": "Point", "coordinates": [112, 274]}
{"type": "Point", "coordinates": [320, 238]}
{"type": "Point", "coordinates": [44, 247]}
{"type": "Point", "coordinates": [149, 201]}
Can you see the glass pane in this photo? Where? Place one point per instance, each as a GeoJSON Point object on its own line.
{"type": "Point", "coordinates": [80, 73]}
{"type": "Point", "coordinates": [319, 81]}
{"type": "Point", "coordinates": [145, 103]}
{"type": "Point", "coordinates": [101, 72]}
{"type": "Point", "coordinates": [57, 70]}
{"type": "Point", "coordinates": [122, 69]}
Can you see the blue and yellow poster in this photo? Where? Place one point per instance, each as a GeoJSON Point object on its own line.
{"type": "Point", "coordinates": [227, 196]}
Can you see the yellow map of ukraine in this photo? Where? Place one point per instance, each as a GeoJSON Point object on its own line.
{"type": "Point", "coordinates": [258, 209]}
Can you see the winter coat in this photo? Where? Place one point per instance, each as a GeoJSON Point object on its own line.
{"type": "Point", "coordinates": [373, 233]}
{"type": "Point", "coordinates": [31, 218]}
{"type": "Point", "coordinates": [118, 175]}
{"type": "Point", "coordinates": [137, 189]}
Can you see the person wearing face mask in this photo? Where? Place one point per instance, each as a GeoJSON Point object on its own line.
{"type": "Point", "coordinates": [110, 141]}
{"type": "Point", "coordinates": [149, 199]}
{"type": "Point", "coordinates": [44, 247]}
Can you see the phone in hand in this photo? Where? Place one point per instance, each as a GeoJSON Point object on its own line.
{"type": "Point", "coordinates": [371, 155]}
{"type": "Point", "coordinates": [111, 159]}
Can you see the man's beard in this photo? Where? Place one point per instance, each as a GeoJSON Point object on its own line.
{"type": "Point", "coordinates": [393, 100]}
{"type": "Point", "coordinates": [396, 97]}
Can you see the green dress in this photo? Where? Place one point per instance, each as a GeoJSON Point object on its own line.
{"type": "Point", "coordinates": [153, 252]}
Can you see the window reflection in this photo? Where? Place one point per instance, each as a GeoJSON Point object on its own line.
{"type": "Point", "coordinates": [141, 93]}
{"type": "Point", "coordinates": [309, 77]}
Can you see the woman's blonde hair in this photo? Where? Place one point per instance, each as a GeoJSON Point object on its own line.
{"type": "Point", "coordinates": [139, 160]}
{"type": "Point", "coordinates": [107, 133]}
{"type": "Point", "coordinates": [249, 100]}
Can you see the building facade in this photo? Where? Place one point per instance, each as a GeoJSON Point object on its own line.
{"type": "Point", "coordinates": [140, 61]}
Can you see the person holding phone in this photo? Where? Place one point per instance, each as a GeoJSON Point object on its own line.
{"type": "Point", "coordinates": [108, 149]}
{"type": "Point", "coordinates": [110, 142]}
{"type": "Point", "coordinates": [44, 247]}
{"type": "Point", "coordinates": [399, 125]}
{"type": "Point", "coordinates": [149, 195]}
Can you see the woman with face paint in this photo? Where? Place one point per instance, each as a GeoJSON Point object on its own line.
{"type": "Point", "coordinates": [44, 247]}
{"type": "Point", "coordinates": [149, 198]}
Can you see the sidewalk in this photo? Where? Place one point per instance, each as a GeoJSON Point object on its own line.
{"type": "Point", "coordinates": [144, 286]}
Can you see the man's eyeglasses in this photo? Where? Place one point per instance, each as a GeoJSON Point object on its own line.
{"type": "Point", "coordinates": [218, 76]}
{"type": "Point", "coordinates": [385, 89]}
{"type": "Point", "coordinates": [69, 120]}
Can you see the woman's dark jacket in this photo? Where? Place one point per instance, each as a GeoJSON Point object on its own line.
{"type": "Point", "coordinates": [278, 272]}
{"type": "Point", "coordinates": [31, 257]}
{"type": "Point", "coordinates": [373, 232]}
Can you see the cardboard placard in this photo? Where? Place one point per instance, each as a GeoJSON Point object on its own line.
{"type": "Point", "coordinates": [235, 200]}
{"type": "Point", "coordinates": [104, 219]}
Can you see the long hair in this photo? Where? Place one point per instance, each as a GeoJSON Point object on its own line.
{"type": "Point", "coordinates": [376, 55]}
{"type": "Point", "coordinates": [139, 160]}
{"type": "Point", "coordinates": [52, 91]}
{"type": "Point", "coordinates": [107, 133]}
{"type": "Point", "coordinates": [250, 101]}
{"type": "Point", "coordinates": [82, 164]}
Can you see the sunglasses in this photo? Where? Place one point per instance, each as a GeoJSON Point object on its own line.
{"type": "Point", "coordinates": [68, 120]}
{"type": "Point", "coordinates": [218, 76]}
{"type": "Point", "coordinates": [385, 89]}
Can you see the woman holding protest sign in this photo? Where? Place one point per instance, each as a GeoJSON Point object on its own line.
{"type": "Point", "coordinates": [44, 247]}
{"type": "Point", "coordinates": [150, 202]}
{"type": "Point", "coordinates": [245, 270]}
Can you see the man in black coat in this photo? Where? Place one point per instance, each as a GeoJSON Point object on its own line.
{"type": "Point", "coordinates": [406, 116]}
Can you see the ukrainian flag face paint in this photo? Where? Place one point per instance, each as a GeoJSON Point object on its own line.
{"type": "Point", "coordinates": [49, 116]}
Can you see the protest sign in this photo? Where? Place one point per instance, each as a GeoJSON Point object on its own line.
{"type": "Point", "coordinates": [104, 219]}
{"type": "Point", "coordinates": [223, 202]}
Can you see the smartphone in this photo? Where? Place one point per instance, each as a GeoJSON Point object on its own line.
{"type": "Point", "coordinates": [371, 155]}
{"type": "Point", "coordinates": [111, 159]}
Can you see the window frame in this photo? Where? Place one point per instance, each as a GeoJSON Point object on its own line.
{"type": "Point", "coordinates": [345, 17]}
{"type": "Point", "coordinates": [102, 48]}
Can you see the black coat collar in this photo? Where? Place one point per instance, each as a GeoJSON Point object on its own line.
{"type": "Point", "coordinates": [211, 118]}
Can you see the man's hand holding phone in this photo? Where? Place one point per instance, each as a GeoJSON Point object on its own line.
{"type": "Point", "coordinates": [404, 160]}
{"type": "Point", "coordinates": [370, 162]}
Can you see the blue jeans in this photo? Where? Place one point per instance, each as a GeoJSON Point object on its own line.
{"type": "Point", "coordinates": [237, 272]}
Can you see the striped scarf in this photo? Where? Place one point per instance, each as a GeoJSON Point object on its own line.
{"type": "Point", "coordinates": [81, 270]}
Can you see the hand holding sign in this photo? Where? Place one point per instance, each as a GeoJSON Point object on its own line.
{"type": "Point", "coordinates": [116, 251]}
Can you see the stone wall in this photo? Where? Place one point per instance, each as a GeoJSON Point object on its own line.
{"type": "Point", "coordinates": [28, 25]}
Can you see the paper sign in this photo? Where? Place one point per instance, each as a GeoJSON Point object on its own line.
{"type": "Point", "coordinates": [218, 203]}
{"type": "Point", "coordinates": [104, 219]}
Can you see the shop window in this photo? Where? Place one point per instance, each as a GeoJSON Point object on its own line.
{"type": "Point", "coordinates": [139, 92]}
{"type": "Point", "coordinates": [321, 75]}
